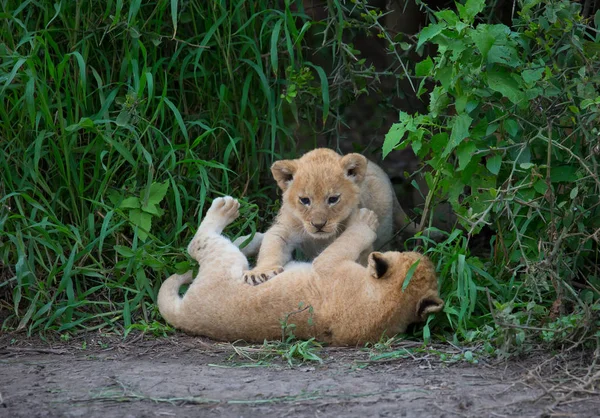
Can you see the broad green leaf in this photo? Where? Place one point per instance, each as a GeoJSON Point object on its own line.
{"type": "Point", "coordinates": [152, 209]}
{"type": "Point", "coordinates": [541, 187]}
{"type": "Point", "coordinates": [512, 127]}
{"type": "Point", "coordinates": [143, 220]}
{"type": "Point", "coordinates": [461, 104]}
{"type": "Point", "coordinates": [465, 153]}
{"type": "Point", "coordinates": [438, 101]}
{"type": "Point", "coordinates": [83, 123]}
{"type": "Point", "coordinates": [130, 203]}
{"type": "Point", "coordinates": [157, 192]}
{"type": "Point", "coordinates": [438, 142]}
{"type": "Point", "coordinates": [124, 251]}
{"type": "Point", "coordinates": [531, 76]}
{"type": "Point", "coordinates": [470, 9]}
{"type": "Point", "coordinates": [423, 68]}
{"type": "Point", "coordinates": [505, 83]}
{"type": "Point", "coordinates": [493, 164]}
{"type": "Point", "coordinates": [566, 173]}
{"type": "Point", "coordinates": [503, 54]}
{"type": "Point", "coordinates": [397, 132]}
{"type": "Point", "coordinates": [448, 15]}
{"type": "Point", "coordinates": [574, 192]}
{"type": "Point", "coordinates": [483, 40]}
{"type": "Point", "coordinates": [429, 33]}
{"type": "Point", "coordinates": [460, 130]}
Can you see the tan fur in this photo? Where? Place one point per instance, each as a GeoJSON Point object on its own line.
{"type": "Point", "coordinates": [318, 176]}
{"type": "Point", "coordinates": [349, 304]}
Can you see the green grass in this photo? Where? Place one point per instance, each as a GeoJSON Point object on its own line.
{"type": "Point", "coordinates": [105, 103]}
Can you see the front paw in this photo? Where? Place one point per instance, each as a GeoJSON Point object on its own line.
{"type": "Point", "coordinates": [258, 276]}
{"type": "Point", "coordinates": [369, 218]}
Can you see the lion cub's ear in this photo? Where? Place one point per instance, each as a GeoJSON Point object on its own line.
{"type": "Point", "coordinates": [283, 172]}
{"type": "Point", "coordinates": [427, 305]}
{"type": "Point", "coordinates": [354, 166]}
{"type": "Point", "coordinates": [378, 265]}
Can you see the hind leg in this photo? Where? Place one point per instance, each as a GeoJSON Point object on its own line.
{"type": "Point", "coordinates": [215, 253]}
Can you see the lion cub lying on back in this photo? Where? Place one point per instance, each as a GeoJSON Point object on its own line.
{"type": "Point", "coordinates": [351, 304]}
{"type": "Point", "coordinates": [320, 192]}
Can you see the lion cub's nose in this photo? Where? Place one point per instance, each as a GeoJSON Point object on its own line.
{"type": "Point", "coordinates": [318, 225]}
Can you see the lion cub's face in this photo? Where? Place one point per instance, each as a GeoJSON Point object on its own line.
{"type": "Point", "coordinates": [321, 189]}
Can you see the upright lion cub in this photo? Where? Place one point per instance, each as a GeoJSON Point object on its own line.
{"type": "Point", "coordinates": [351, 304]}
{"type": "Point", "coordinates": [320, 192]}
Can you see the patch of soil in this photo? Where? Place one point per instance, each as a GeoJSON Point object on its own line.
{"type": "Point", "coordinates": [189, 376]}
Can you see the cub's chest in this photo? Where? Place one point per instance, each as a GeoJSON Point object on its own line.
{"type": "Point", "coordinates": [311, 247]}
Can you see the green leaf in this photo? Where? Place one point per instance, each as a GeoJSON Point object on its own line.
{"type": "Point", "coordinates": [503, 54]}
{"type": "Point", "coordinates": [465, 153]}
{"type": "Point", "coordinates": [574, 192]}
{"type": "Point", "coordinates": [461, 103]}
{"type": "Point", "coordinates": [152, 209]}
{"type": "Point", "coordinates": [124, 251]}
{"type": "Point", "coordinates": [438, 142]}
{"type": "Point", "coordinates": [397, 132]}
{"type": "Point", "coordinates": [566, 173]}
{"type": "Point", "coordinates": [483, 40]}
{"type": "Point", "coordinates": [174, 16]}
{"type": "Point", "coordinates": [531, 76]}
{"type": "Point", "coordinates": [505, 83]}
{"type": "Point", "coordinates": [274, 42]}
{"type": "Point", "coordinates": [470, 9]}
{"type": "Point", "coordinates": [511, 127]}
{"type": "Point", "coordinates": [423, 68]}
{"type": "Point", "coordinates": [429, 33]}
{"type": "Point", "coordinates": [493, 164]}
{"type": "Point", "coordinates": [143, 220]}
{"type": "Point", "coordinates": [460, 130]}
{"type": "Point", "coordinates": [157, 192]}
{"type": "Point", "coordinates": [541, 187]}
{"type": "Point", "coordinates": [324, 89]}
{"type": "Point", "coordinates": [410, 273]}
{"type": "Point", "coordinates": [448, 15]}
{"type": "Point", "coordinates": [438, 101]}
{"type": "Point", "coordinates": [130, 203]}
{"type": "Point", "coordinates": [83, 123]}
{"type": "Point", "coordinates": [178, 118]}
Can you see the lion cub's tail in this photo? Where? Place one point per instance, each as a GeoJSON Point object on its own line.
{"type": "Point", "coordinates": [169, 301]}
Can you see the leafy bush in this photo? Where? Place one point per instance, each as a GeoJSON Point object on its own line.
{"type": "Point", "coordinates": [512, 141]}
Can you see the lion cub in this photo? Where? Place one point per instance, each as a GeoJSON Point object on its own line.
{"type": "Point", "coordinates": [320, 192]}
{"type": "Point", "coordinates": [350, 304]}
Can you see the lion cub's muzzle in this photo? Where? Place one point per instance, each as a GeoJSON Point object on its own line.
{"type": "Point", "coordinates": [321, 229]}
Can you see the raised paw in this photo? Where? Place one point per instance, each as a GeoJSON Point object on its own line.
{"type": "Point", "coordinates": [224, 210]}
{"type": "Point", "coordinates": [368, 217]}
{"type": "Point", "coordinates": [255, 276]}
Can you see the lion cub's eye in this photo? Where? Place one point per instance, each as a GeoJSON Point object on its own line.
{"type": "Point", "coordinates": [333, 200]}
{"type": "Point", "coordinates": [305, 201]}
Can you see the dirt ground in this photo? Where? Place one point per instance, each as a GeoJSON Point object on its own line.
{"type": "Point", "coordinates": [186, 376]}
